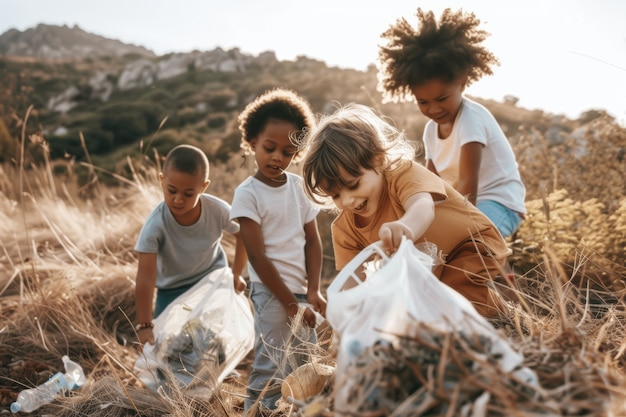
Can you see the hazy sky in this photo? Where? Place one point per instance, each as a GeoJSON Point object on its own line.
{"type": "Point", "coordinates": [560, 56]}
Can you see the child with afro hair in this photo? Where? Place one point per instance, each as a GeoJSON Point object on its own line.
{"type": "Point", "coordinates": [432, 64]}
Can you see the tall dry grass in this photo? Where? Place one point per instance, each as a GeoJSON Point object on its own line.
{"type": "Point", "coordinates": [67, 287]}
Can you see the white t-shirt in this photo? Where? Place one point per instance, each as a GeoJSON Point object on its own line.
{"type": "Point", "coordinates": [499, 179]}
{"type": "Point", "coordinates": [282, 213]}
{"type": "Point", "coordinates": [186, 254]}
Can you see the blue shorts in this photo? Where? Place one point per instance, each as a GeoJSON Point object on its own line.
{"type": "Point", "coordinates": [165, 297]}
{"type": "Point", "coordinates": [506, 220]}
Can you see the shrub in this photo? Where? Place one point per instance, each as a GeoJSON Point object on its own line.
{"type": "Point", "coordinates": [128, 122]}
{"type": "Point", "coordinates": [188, 115]}
{"type": "Point", "coordinates": [231, 143]}
{"type": "Point", "coordinates": [217, 120]}
{"type": "Point", "coordinates": [225, 99]}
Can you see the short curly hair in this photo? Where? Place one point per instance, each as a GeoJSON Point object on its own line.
{"type": "Point", "coordinates": [441, 50]}
{"type": "Point", "coordinates": [276, 104]}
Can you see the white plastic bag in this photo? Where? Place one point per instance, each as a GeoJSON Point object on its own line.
{"type": "Point", "coordinates": [199, 338]}
{"type": "Point", "coordinates": [398, 293]}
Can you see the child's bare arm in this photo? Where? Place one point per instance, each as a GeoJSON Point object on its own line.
{"type": "Point", "coordinates": [239, 262]}
{"type": "Point", "coordinates": [419, 215]}
{"type": "Point", "coordinates": [255, 247]}
{"type": "Point", "coordinates": [469, 168]}
{"type": "Point", "coordinates": [313, 253]}
{"type": "Point", "coordinates": [144, 295]}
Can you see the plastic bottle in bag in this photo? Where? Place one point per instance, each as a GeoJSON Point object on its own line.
{"type": "Point", "coordinates": [30, 399]}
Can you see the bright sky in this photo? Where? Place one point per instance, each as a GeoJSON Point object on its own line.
{"type": "Point", "coordinates": [560, 56]}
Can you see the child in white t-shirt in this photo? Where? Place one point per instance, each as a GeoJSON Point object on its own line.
{"type": "Point", "coordinates": [279, 230]}
{"type": "Point", "coordinates": [464, 143]}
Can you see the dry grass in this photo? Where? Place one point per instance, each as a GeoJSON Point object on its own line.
{"type": "Point", "coordinates": [67, 282]}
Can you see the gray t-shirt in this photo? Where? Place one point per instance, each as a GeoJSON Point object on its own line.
{"type": "Point", "coordinates": [186, 254]}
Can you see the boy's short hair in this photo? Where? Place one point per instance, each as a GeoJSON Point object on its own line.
{"type": "Point", "coordinates": [276, 104]}
{"type": "Point", "coordinates": [187, 159]}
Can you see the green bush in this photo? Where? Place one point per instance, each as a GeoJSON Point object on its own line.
{"type": "Point", "coordinates": [231, 143]}
{"type": "Point", "coordinates": [225, 99]}
{"type": "Point", "coordinates": [129, 122]}
{"type": "Point", "coordinates": [63, 146]}
{"type": "Point", "coordinates": [188, 115]}
{"type": "Point", "coordinates": [217, 120]}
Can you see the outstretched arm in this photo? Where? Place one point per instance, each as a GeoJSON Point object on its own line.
{"type": "Point", "coordinates": [418, 216]}
{"type": "Point", "coordinates": [469, 169]}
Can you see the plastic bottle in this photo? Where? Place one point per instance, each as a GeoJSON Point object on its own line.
{"type": "Point", "coordinates": [74, 374]}
{"type": "Point", "coordinates": [30, 399]}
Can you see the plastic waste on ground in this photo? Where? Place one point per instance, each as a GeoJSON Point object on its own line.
{"type": "Point", "coordinates": [31, 399]}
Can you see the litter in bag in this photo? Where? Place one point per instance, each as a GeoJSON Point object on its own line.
{"type": "Point", "coordinates": [199, 338]}
{"type": "Point", "coordinates": [377, 299]}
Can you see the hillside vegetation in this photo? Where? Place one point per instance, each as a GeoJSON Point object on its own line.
{"type": "Point", "coordinates": [76, 186]}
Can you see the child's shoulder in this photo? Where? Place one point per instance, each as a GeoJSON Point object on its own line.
{"type": "Point", "coordinates": [292, 176]}
{"type": "Point", "coordinates": [474, 110]}
{"type": "Point", "coordinates": [211, 200]}
{"type": "Point", "coordinates": [401, 166]}
{"type": "Point", "coordinates": [246, 183]}
{"type": "Point", "coordinates": [157, 211]}
{"type": "Point", "coordinates": [408, 171]}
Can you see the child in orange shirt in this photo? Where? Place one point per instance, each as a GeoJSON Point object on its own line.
{"type": "Point", "coordinates": [365, 167]}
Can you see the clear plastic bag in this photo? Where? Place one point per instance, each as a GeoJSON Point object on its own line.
{"type": "Point", "coordinates": [199, 338]}
{"type": "Point", "coordinates": [399, 292]}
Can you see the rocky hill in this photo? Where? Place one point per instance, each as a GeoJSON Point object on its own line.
{"type": "Point", "coordinates": [89, 93]}
{"type": "Point", "coordinates": [49, 41]}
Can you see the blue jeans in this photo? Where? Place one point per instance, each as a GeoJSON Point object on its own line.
{"type": "Point", "coordinates": [277, 351]}
{"type": "Point", "coordinates": [506, 220]}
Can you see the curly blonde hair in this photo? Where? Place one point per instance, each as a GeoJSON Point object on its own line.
{"type": "Point", "coordinates": [444, 49]}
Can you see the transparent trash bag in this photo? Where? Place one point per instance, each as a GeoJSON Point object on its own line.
{"type": "Point", "coordinates": [399, 293]}
{"type": "Point", "coordinates": [199, 338]}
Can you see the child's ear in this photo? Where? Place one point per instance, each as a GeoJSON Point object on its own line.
{"type": "Point", "coordinates": [206, 185]}
{"type": "Point", "coordinates": [252, 144]}
{"type": "Point", "coordinates": [161, 178]}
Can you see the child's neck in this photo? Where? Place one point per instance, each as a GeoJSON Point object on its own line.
{"type": "Point", "coordinates": [445, 130]}
{"type": "Point", "coordinates": [190, 217]}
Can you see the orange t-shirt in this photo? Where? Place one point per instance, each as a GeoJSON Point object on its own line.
{"type": "Point", "coordinates": [456, 219]}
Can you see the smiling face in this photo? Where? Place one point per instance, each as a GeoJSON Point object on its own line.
{"type": "Point", "coordinates": [361, 194]}
{"type": "Point", "coordinates": [181, 192]}
{"type": "Point", "coordinates": [273, 152]}
{"type": "Point", "coordinates": [440, 100]}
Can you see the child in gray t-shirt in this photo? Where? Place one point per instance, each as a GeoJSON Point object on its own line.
{"type": "Point", "coordinates": [180, 242]}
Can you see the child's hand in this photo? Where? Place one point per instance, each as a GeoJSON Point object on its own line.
{"type": "Point", "coordinates": [317, 300]}
{"type": "Point", "coordinates": [145, 335]}
{"type": "Point", "coordinates": [391, 234]}
{"type": "Point", "coordinates": [309, 317]}
{"type": "Point", "coordinates": [240, 283]}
